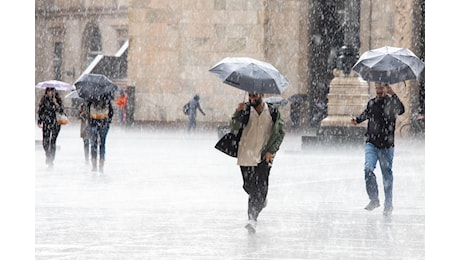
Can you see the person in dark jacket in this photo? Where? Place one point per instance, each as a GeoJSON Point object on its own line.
{"type": "Point", "coordinates": [100, 117]}
{"type": "Point", "coordinates": [49, 105]}
{"type": "Point", "coordinates": [194, 104]}
{"type": "Point", "coordinates": [381, 113]}
{"type": "Point", "coordinates": [261, 130]}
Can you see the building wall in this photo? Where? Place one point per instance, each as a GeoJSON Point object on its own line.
{"type": "Point", "coordinates": [174, 43]}
{"type": "Point", "coordinates": [65, 21]}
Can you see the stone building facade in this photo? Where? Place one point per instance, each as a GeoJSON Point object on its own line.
{"type": "Point", "coordinates": [172, 45]}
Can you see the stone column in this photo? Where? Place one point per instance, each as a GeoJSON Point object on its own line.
{"type": "Point", "coordinates": [348, 96]}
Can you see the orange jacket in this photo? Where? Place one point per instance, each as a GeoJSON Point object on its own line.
{"type": "Point", "coordinates": [121, 101]}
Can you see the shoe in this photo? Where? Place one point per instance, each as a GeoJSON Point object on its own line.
{"type": "Point", "coordinates": [372, 205]}
{"type": "Point", "coordinates": [387, 210]}
{"type": "Point", "coordinates": [251, 226]}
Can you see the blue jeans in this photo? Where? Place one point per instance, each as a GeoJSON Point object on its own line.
{"type": "Point", "coordinates": [385, 158]}
{"type": "Point", "coordinates": [95, 132]}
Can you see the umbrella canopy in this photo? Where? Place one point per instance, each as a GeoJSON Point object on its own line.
{"type": "Point", "coordinates": [251, 75]}
{"type": "Point", "coordinates": [73, 94]}
{"type": "Point", "coordinates": [56, 84]}
{"type": "Point", "coordinates": [95, 87]}
{"type": "Point", "coordinates": [389, 65]}
{"type": "Point", "coordinates": [276, 100]}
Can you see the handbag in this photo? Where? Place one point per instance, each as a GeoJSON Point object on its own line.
{"type": "Point", "coordinates": [62, 119]}
{"type": "Point", "coordinates": [228, 144]}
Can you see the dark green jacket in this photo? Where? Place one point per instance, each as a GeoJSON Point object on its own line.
{"type": "Point", "coordinates": [240, 119]}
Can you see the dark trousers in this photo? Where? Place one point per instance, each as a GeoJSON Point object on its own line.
{"type": "Point", "coordinates": [50, 134]}
{"type": "Point", "coordinates": [86, 148]}
{"type": "Point", "coordinates": [255, 183]}
{"type": "Point", "coordinates": [191, 122]}
{"type": "Point", "coordinates": [98, 134]}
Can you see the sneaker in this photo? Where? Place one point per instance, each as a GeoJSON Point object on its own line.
{"type": "Point", "coordinates": [387, 210]}
{"type": "Point", "coordinates": [372, 205]}
{"type": "Point", "coordinates": [251, 226]}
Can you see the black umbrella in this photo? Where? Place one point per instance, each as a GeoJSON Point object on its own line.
{"type": "Point", "coordinates": [95, 87]}
{"type": "Point", "coordinates": [251, 75]}
{"type": "Point", "coordinates": [389, 65]}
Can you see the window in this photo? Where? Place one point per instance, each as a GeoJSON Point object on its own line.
{"type": "Point", "coordinates": [57, 61]}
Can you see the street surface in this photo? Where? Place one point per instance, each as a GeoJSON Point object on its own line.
{"type": "Point", "coordinates": [171, 195]}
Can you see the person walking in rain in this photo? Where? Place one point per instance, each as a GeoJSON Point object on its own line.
{"type": "Point", "coordinates": [84, 130]}
{"type": "Point", "coordinates": [49, 105]}
{"type": "Point", "coordinates": [261, 130]}
{"type": "Point", "coordinates": [381, 113]}
{"type": "Point", "coordinates": [121, 102]}
{"type": "Point", "coordinates": [100, 117]}
{"type": "Point", "coordinates": [193, 105]}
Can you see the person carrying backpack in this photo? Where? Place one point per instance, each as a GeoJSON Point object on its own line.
{"type": "Point", "coordinates": [261, 131]}
{"type": "Point", "coordinates": [190, 109]}
{"type": "Point", "coordinates": [100, 117]}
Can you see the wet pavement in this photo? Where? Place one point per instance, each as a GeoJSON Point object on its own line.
{"type": "Point", "coordinates": [171, 195]}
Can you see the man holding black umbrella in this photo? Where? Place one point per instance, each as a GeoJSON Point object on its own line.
{"type": "Point", "coordinates": [381, 113]}
{"type": "Point", "coordinates": [262, 131]}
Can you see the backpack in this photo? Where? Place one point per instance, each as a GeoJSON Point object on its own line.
{"type": "Point", "coordinates": [186, 108]}
{"type": "Point", "coordinates": [99, 111]}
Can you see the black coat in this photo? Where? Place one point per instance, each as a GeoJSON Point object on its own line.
{"type": "Point", "coordinates": [381, 115]}
{"type": "Point", "coordinates": [47, 111]}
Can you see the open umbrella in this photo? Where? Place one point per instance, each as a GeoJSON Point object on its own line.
{"type": "Point", "coordinates": [251, 75]}
{"type": "Point", "coordinates": [389, 65]}
{"type": "Point", "coordinates": [95, 87]}
{"type": "Point", "coordinates": [73, 95]}
{"type": "Point", "coordinates": [276, 100]}
{"type": "Point", "coordinates": [56, 84]}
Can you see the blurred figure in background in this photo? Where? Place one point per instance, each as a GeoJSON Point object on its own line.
{"type": "Point", "coordinates": [193, 105]}
{"type": "Point", "coordinates": [121, 102]}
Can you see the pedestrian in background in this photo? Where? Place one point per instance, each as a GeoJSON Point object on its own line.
{"type": "Point", "coordinates": [84, 130]}
{"type": "Point", "coordinates": [101, 114]}
{"type": "Point", "coordinates": [261, 130]}
{"type": "Point", "coordinates": [193, 106]}
{"type": "Point", "coordinates": [49, 105]}
{"type": "Point", "coordinates": [121, 102]}
{"type": "Point", "coordinates": [381, 113]}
